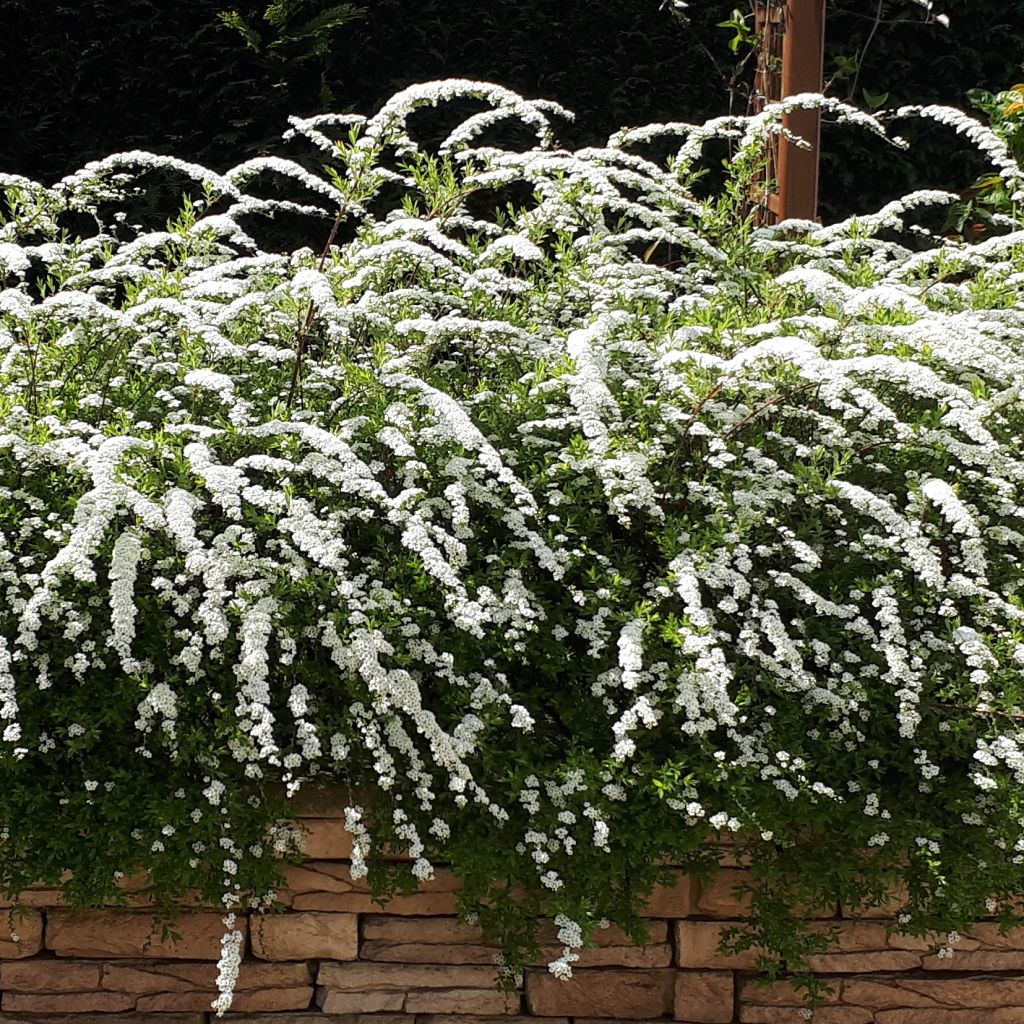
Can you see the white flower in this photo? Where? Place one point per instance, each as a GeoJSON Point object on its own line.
{"type": "Point", "coordinates": [228, 965]}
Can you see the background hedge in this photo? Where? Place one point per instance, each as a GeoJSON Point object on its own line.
{"type": "Point", "coordinates": [91, 77]}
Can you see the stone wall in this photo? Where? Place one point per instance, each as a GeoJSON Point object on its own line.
{"type": "Point", "coordinates": [335, 957]}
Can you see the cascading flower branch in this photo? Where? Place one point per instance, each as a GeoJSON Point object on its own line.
{"type": "Point", "coordinates": [567, 521]}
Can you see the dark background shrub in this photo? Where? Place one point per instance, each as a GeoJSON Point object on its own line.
{"type": "Point", "coordinates": [88, 78]}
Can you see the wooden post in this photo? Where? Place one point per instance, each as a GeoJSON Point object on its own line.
{"type": "Point", "coordinates": [803, 67]}
{"type": "Point", "coordinates": [769, 23]}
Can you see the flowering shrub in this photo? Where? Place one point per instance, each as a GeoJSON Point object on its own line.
{"type": "Point", "coordinates": [567, 536]}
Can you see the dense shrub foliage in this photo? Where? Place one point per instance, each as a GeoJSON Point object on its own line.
{"type": "Point", "coordinates": [566, 520]}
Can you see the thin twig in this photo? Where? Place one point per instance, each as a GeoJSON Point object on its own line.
{"type": "Point", "coordinates": [864, 49]}
{"type": "Point", "coordinates": [774, 400]}
{"type": "Point", "coordinates": [302, 339]}
{"type": "Point", "coordinates": [977, 711]}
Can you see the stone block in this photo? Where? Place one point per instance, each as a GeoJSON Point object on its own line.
{"type": "Point", "coordinates": [66, 1002]}
{"type": "Point", "coordinates": [21, 933]}
{"type": "Point", "coordinates": [886, 910]}
{"type": "Point", "coordinates": [625, 995]}
{"type": "Point", "coordinates": [265, 999]}
{"type": "Point", "coordinates": [329, 886]}
{"type": "Point", "coordinates": [435, 1018]}
{"type": "Point", "coordinates": [717, 897]}
{"type": "Point", "coordinates": [49, 976]}
{"type": "Point", "coordinates": [114, 1018]}
{"type": "Point", "coordinates": [304, 936]}
{"type": "Point", "coordinates": [308, 1017]}
{"type": "Point", "coordinates": [331, 1001]}
{"type": "Point", "coordinates": [147, 986]}
{"type": "Point", "coordinates": [361, 976]}
{"type": "Point", "coordinates": [325, 839]}
{"type": "Point", "coordinates": [982, 949]}
{"type": "Point", "coordinates": [863, 947]}
{"type": "Point", "coordinates": [152, 977]}
{"type": "Point", "coordinates": [119, 933]}
{"type": "Point", "coordinates": [671, 901]}
{"type": "Point", "coordinates": [704, 997]}
{"type": "Point", "coordinates": [427, 930]}
{"type": "Point", "coordinates": [824, 1015]}
{"type": "Point", "coordinates": [977, 992]}
{"type": "Point", "coordinates": [894, 999]}
{"type": "Point", "coordinates": [446, 940]}
{"type": "Point", "coordinates": [427, 953]}
{"type": "Point", "coordinates": [461, 1001]}
{"type": "Point", "coordinates": [697, 946]}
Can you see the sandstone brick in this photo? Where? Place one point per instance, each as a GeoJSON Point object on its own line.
{"type": "Point", "coordinates": [864, 962]}
{"type": "Point", "coordinates": [141, 979]}
{"type": "Point", "coordinates": [305, 936]}
{"type": "Point", "coordinates": [312, 1017]}
{"type": "Point", "coordinates": [704, 997]}
{"type": "Point", "coordinates": [998, 1015]}
{"type": "Point", "coordinates": [437, 940]}
{"type": "Point", "coordinates": [717, 896]}
{"type": "Point", "coordinates": [887, 909]}
{"type": "Point", "coordinates": [435, 1018]}
{"type": "Point", "coordinates": [40, 898]}
{"type": "Point", "coordinates": [697, 946]}
{"type": "Point", "coordinates": [436, 990]}
{"type": "Point", "coordinates": [331, 1001]}
{"type": "Point", "coordinates": [118, 1018]}
{"type": "Point", "coordinates": [649, 956]}
{"type": "Point", "coordinates": [825, 1015]}
{"type": "Point", "coordinates": [591, 1020]}
{"type": "Point", "coordinates": [646, 957]}
{"type": "Point", "coordinates": [410, 930]}
{"type": "Point", "coordinates": [47, 896]}
{"type": "Point", "coordinates": [864, 947]}
{"type": "Point", "coordinates": [462, 1001]}
{"type": "Point", "coordinates": [263, 999]}
{"type": "Point", "coordinates": [442, 940]}
{"type": "Point", "coordinates": [49, 976]}
{"type": "Point", "coordinates": [628, 995]}
{"type": "Point", "coordinates": [325, 839]}
{"type": "Point", "coordinates": [894, 999]}
{"type": "Point", "coordinates": [149, 986]}
{"type": "Point", "coordinates": [21, 933]}
{"type": "Point", "coordinates": [779, 1003]}
{"type": "Point", "coordinates": [117, 933]}
{"type": "Point", "coordinates": [427, 953]}
{"type": "Point", "coordinates": [670, 901]}
{"type": "Point", "coordinates": [151, 977]}
{"type": "Point", "coordinates": [361, 976]}
{"type": "Point", "coordinates": [883, 992]}
{"type": "Point", "coordinates": [980, 960]}
{"type": "Point", "coordinates": [983, 949]}
{"type": "Point", "coordinates": [329, 886]}
{"type": "Point", "coordinates": [612, 947]}
{"type": "Point", "coordinates": [318, 799]}
{"type": "Point", "coordinates": [328, 839]}
{"type": "Point", "coordinates": [779, 993]}
{"type": "Point", "coordinates": [66, 1002]}
{"type": "Point", "coordinates": [451, 930]}
{"type": "Point", "coordinates": [728, 858]}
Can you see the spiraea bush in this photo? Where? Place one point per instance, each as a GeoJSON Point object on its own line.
{"type": "Point", "coordinates": [568, 521]}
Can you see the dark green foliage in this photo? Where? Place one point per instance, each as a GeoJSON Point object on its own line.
{"type": "Point", "coordinates": [916, 63]}
{"type": "Point", "coordinates": [213, 81]}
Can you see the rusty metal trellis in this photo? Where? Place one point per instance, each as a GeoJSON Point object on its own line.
{"type": "Point", "coordinates": [791, 61]}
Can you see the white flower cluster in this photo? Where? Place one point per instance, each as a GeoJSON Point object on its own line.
{"type": "Point", "coordinates": [516, 491]}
